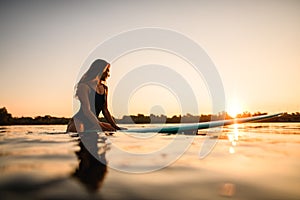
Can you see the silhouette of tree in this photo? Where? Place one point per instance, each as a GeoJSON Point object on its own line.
{"type": "Point", "coordinates": [5, 117]}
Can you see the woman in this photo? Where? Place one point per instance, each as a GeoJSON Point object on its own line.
{"type": "Point", "coordinates": [91, 91]}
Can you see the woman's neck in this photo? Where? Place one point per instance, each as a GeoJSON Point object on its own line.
{"type": "Point", "coordinates": [102, 82]}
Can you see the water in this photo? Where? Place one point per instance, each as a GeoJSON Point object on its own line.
{"type": "Point", "coordinates": [250, 161]}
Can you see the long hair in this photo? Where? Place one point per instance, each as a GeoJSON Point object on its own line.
{"type": "Point", "coordinates": [96, 69]}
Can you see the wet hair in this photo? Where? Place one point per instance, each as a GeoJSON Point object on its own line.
{"type": "Point", "coordinates": [96, 69]}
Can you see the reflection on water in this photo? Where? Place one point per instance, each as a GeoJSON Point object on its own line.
{"type": "Point", "coordinates": [250, 161]}
{"type": "Point", "coordinates": [92, 161]}
{"type": "Point", "coordinates": [233, 138]}
{"type": "Point", "coordinates": [39, 164]}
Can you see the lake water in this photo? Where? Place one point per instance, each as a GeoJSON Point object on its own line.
{"type": "Point", "coordinates": [249, 161]}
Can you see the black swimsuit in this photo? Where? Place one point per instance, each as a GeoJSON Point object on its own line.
{"type": "Point", "coordinates": [97, 102]}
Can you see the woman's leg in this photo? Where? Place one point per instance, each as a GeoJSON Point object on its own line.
{"type": "Point", "coordinates": [75, 126]}
{"type": "Point", "coordinates": [71, 126]}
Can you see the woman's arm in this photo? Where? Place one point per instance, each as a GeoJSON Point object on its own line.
{"type": "Point", "coordinates": [109, 118]}
{"type": "Point", "coordinates": [107, 114]}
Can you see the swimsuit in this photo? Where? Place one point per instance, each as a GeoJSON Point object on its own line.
{"type": "Point", "coordinates": [97, 102]}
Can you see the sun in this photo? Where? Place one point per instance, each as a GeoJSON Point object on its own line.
{"type": "Point", "coordinates": [234, 107]}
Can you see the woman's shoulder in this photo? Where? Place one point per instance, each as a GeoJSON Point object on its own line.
{"type": "Point", "coordinates": [101, 88]}
{"type": "Point", "coordinates": [103, 85]}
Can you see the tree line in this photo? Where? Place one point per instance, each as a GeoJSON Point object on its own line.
{"type": "Point", "coordinates": [7, 119]}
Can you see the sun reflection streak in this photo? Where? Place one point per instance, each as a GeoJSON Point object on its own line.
{"type": "Point", "coordinates": [233, 138]}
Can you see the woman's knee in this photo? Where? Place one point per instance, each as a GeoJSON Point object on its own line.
{"type": "Point", "coordinates": [71, 126]}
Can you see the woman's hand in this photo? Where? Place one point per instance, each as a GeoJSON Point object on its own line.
{"type": "Point", "coordinates": [121, 128]}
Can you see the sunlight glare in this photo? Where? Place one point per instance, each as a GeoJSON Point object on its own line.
{"type": "Point", "coordinates": [234, 108]}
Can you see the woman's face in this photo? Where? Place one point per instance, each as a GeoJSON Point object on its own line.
{"type": "Point", "coordinates": [105, 73]}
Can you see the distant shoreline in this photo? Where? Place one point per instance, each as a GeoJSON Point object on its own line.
{"type": "Point", "coordinates": [7, 119]}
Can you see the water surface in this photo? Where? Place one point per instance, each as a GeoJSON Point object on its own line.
{"type": "Point", "coordinates": [250, 161]}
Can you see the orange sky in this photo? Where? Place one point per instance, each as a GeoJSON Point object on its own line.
{"type": "Point", "coordinates": [254, 45]}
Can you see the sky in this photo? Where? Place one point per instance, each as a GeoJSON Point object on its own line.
{"type": "Point", "coordinates": [254, 45]}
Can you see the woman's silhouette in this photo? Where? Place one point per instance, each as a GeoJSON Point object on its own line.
{"type": "Point", "coordinates": [91, 91]}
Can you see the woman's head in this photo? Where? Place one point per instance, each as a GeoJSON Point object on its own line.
{"type": "Point", "coordinates": [105, 73]}
{"type": "Point", "coordinates": [97, 68]}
